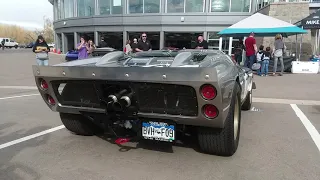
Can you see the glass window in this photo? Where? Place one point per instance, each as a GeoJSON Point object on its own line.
{"type": "Point", "coordinates": [144, 6]}
{"type": "Point", "coordinates": [59, 11]}
{"type": "Point", "coordinates": [194, 6]}
{"type": "Point", "coordinates": [151, 6]}
{"type": "Point", "coordinates": [135, 6]}
{"type": "Point", "coordinates": [68, 8]}
{"type": "Point", "coordinates": [116, 6]}
{"type": "Point", "coordinates": [85, 7]}
{"type": "Point", "coordinates": [175, 6]}
{"type": "Point", "coordinates": [240, 5]}
{"type": "Point", "coordinates": [213, 40]}
{"type": "Point", "coordinates": [105, 7]}
{"type": "Point", "coordinates": [220, 5]}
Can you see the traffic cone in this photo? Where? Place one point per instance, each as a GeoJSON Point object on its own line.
{"type": "Point", "coordinates": [54, 50]}
{"type": "Point", "coordinates": [59, 52]}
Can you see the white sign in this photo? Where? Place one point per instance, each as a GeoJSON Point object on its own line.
{"type": "Point", "coordinates": [312, 22]}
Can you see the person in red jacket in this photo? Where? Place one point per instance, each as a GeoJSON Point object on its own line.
{"type": "Point", "coordinates": [251, 50]}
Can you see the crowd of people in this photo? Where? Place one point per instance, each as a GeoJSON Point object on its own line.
{"type": "Point", "coordinates": [261, 57]}
{"type": "Point", "coordinates": [254, 56]}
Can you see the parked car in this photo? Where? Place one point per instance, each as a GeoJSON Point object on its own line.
{"type": "Point", "coordinates": [152, 95]}
{"type": "Point", "coordinates": [72, 55]}
{"type": "Point", "coordinates": [9, 43]}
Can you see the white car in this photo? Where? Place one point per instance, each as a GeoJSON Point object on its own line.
{"type": "Point", "coordinates": [10, 43]}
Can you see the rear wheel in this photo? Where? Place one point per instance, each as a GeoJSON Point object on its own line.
{"type": "Point", "coordinates": [79, 124]}
{"type": "Point", "coordinates": [223, 142]}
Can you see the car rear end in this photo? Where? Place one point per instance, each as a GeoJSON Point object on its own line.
{"type": "Point", "coordinates": [174, 96]}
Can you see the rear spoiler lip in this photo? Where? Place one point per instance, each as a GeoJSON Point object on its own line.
{"type": "Point", "coordinates": [146, 74]}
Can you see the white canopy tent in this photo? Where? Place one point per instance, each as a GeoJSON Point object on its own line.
{"type": "Point", "coordinates": [261, 25]}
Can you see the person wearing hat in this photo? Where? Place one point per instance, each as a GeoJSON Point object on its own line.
{"type": "Point", "coordinates": [41, 50]}
{"type": "Point", "coordinates": [251, 50]}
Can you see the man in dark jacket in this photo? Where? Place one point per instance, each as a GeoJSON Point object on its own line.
{"type": "Point", "coordinates": [102, 43]}
{"type": "Point", "coordinates": [2, 44]}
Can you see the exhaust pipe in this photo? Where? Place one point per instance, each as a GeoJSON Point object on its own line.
{"type": "Point", "coordinates": [124, 101]}
{"type": "Point", "coordinates": [114, 98]}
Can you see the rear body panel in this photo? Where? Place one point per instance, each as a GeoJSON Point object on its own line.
{"type": "Point", "coordinates": [164, 93]}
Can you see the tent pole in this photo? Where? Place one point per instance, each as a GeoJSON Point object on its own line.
{"type": "Point", "coordinates": [315, 43]}
{"type": "Point", "coordinates": [230, 46]}
{"type": "Point", "coordinates": [300, 47]}
{"type": "Point", "coordinates": [317, 51]}
{"type": "Point", "coordinates": [296, 45]}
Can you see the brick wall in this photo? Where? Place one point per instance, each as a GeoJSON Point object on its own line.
{"type": "Point", "coordinates": [289, 12]}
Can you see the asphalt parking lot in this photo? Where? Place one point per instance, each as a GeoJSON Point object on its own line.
{"type": "Point", "coordinates": [279, 137]}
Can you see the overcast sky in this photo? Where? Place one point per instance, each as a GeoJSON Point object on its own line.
{"type": "Point", "coordinates": [26, 13]}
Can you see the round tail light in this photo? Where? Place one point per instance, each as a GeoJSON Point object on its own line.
{"type": "Point", "coordinates": [51, 100]}
{"type": "Point", "coordinates": [44, 85]}
{"type": "Point", "coordinates": [208, 91]}
{"type": "Point", "coordinates": [210, 111]}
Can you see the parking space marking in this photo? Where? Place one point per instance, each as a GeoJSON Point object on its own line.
{"type": "Point", "coordinates": [19, 87]}
{"type": "Point", "coordinates": [308, 125]}
{"type": "Point", "coordinates": [11, 143]}
{"type": "Point", "coordinates": [286, 101]}
{"type": "Point", "coordinates": [20, 96]}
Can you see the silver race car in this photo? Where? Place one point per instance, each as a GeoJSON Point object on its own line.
{"type": "Point", "coordinates": [152, 95]}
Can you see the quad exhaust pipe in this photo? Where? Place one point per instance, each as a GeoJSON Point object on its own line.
{"type": "Point", "coordinates": [123, 102]}
{"type": "Point", "coordinates": [114, 98]}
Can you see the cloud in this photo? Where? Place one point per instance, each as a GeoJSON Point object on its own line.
{"type": "Point", "coordinates": [26, 25]}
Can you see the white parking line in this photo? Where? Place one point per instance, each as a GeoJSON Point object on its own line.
{"type": "Point", "coordinates": [11, 143]}
{"type": "Point", "coordinates": [308, 125]}
{"type": "Point", "coordinates": [19, 87]}
{"type": "Point", "coordinates": [286, 101]}
{"type": "Point", "coordinates": [20, 96]}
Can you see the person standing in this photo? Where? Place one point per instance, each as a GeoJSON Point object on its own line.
{"type": "Point", "coordinates": [202, 44]}
{"type": "Point", "coordinates": [265, 62]}
{"type": "Point", "coordinates": [144, 44]}
{"type": "Point", "coordinates": [238, 51]}
{"type": "Point", "coordinates": [251, 50]}
{"type": "Point", "coordinates": [128, 49]}
{"type": "Point", "coordinates": [102, 43]}
{"type": "Point", "coordinates": [83, 48]}
{"type": "Point", "coordinates": [41, 49]}
{"type": "Point", "coordinates": [259, 56]}
{"type": "Point", "coordinates": [278, 53]}
{"type": "Point", "coordinates": [134, 45]}
{"type": "Point", "coordinates": [92, 47]}
{"type": "Point", "coordinates": [2, 44]}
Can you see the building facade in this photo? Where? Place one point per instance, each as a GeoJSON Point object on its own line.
{"type": "Point", "coordinates": [164, 21]}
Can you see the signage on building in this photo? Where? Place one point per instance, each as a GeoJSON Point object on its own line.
{"type": "Point", "coordinates": [312, 22]}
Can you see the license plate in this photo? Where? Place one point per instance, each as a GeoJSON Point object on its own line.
{"type": "Point", "coordinates": [159, 131]}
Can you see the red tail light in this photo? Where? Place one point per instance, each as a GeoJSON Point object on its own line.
{"type": "Point", "coordinates": [44, 85]}
{"type": "Point", "coordinates": [51, 100]}
{"type": "Point", "coordinates": [208, 91]}
{"type": "Point", "coordinates": [210, 111]}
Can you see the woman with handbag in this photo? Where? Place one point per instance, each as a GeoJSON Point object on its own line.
{"type": "Point", "coordinates": [278, 54]}
{"type": "Point", "coordinates": [41, 49]}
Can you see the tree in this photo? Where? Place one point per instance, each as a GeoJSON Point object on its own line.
{"type": "Point", "coordinates": [47, 32]}
{"type": "Point", "coordinates": [17, 33]}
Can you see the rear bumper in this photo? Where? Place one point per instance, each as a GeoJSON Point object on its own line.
{"type": "Point", "coordinates": [200, 120]}
{"type": "Point", "coordinates": [167, 76]}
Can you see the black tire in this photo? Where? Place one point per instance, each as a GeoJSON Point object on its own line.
{"type": "Point", "coordinates": [222, 142]}
{"type": "Point", "coordinates": [247, 102]}
{"type": "Point", "coordinates": [16, 46]}
{"type": "Point", "coordinates": [79, 124]}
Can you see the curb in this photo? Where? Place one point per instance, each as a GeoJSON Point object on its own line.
{"type": "Point", "coordinates": [57, 54]}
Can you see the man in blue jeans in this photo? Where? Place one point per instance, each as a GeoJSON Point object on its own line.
{"type": "Point", "coordinates": [251, 50]}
